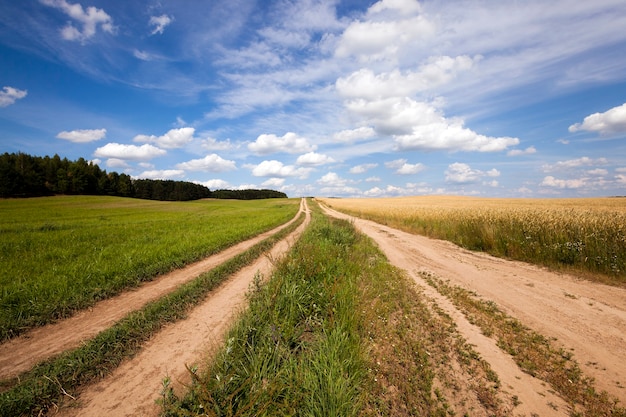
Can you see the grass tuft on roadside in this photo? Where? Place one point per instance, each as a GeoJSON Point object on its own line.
{"type": "Point", "coordinates": [532, 352]}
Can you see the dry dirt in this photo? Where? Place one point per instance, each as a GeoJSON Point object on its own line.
{"type": "Point", "coordinates": [20, 354]}
{"type": "Point", "coordinates": [133, 388]}
{"type": "Point", "coordinates": [586, 318]}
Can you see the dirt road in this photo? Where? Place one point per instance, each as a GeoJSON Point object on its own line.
{"type": "Point", "coordinates": [133, 388]}
{"type": "Point", "coordinates": [20, 354]}
{"type": "Point", "coordinates": [586, 318]}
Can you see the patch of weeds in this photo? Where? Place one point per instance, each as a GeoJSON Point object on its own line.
{"type": "Point", "coordinates": [533, 353]}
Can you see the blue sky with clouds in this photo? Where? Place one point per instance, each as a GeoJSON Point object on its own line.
{"type": "Point", "coordinates": [325, 97]}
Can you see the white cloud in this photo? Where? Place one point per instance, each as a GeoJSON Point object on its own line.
{"type": "Point", "coordinates": [410, 169]}
{"type": "Point", "coordinates": [89, 19]}
{"type": "Point", "coordinates": [403, 168]}
{"type": "Point", "coordinates": [610, 122]}
{"type": "Point", "coordinates": [273, 182]}
{"type": "Point", "coordinates": [162, 174]}
{"type": "Point", "coordinates": [117, 163]}
{"type": "Point", "coordinates": [395, 164]}
{"type": "Point", "coordinates": [277, 169]}
{"type": "Point", "coordinates": [174, 138]}
{"type": "Point", "coordinates": [405, 7]}
{"type": "Point", "coordinates": [210, 163]}
{"type": "Point", "coordinates": [314, 159]}
{"type": "Point", "coordinates": [552, 182]}
{"type": "Point", "coordinates": [9, 95]}
{"type": "Point", "coordinates": [435, 72]}
{"type": "Point", "coordinates": [212, 144]}
{"type": "Point", "coordinates": [519, 152]}
{"type": "Point", "coordinates": [598, 172]}
{"type": "Point", "coordinates": [159, 23]}
{"type": "Point", "coordinates": [585, 161]}
{"type": "Point", "coordinates": [289, 143]}
{"type": "Point", "coordinates": [420, 126]}
{"type": "Point", "coordinates": [332, 179]}
{"type": "Point", "coordinates": [216, 184]}
{"type": "Point", "coordinates": [460, 173]}
{"type": "Point", "coordinates": [353, 135]}
{"type": "Point", "coordinates": [360, 169]}
{"type": "Point", "coordinates": [83, 135]}
{"type": "Point", "coordinates": [382, 36]}
{"type": "Point", "coordinates": [126, 152]}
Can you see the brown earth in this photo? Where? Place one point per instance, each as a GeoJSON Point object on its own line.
{"type": "Point", "coordinates": [133, 388]}
{"type": "Point", "coordinates": [20, 354]}
{"type": "Point", "coordinates": [586, 318]}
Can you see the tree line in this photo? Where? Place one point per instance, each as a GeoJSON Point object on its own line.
{"type": "Point", "coordinates": [23, 175]}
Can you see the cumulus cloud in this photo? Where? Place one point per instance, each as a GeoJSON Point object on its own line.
{"type": "Point", "coordinates": [174, 138]}
{"type": "Point", "coordinates": [360, 169]}
{"type": "Point", "coordinates": [83, 135]}
{"type": "Point", "coordinates": [9, 95]}
{"type": "Point", "coordinates": [460, 173]}
{"type": "Point", "coordinates": [585, 161]}
{"type": "Point", "coordinates": [212, 144]}
{"type": "Point", "coordinates": [418, 125]}
{"type": "Point", "coordinates": [277, 169]}
{"type": "Point", "coordinates": [437, 71]}
{"type": "Point", "coordinates": [210, 163]}
{"type": "Point", "coordinates": [162, 174]}
{"type": "Point", "coordinates": [552, 182]}
{"type": "Point", "coordinates": [89, 19]}
{"type": "Point", "coordinates": [128, 152]}
{"type": "Point", "coordinates": [289, 143]}
{"type": "Point", "coordinates": [216, 184]}
{"type": "Point", "coordinates": [273, 182]}
{"type": "Point", "coordinates": [519, 152]}
{"type": "Point", "coordinates": [314, 159]}
{"type": "Point", "coordinates": [159, 23]}
{"type": "Point", "coordinates": [353, 135]}
{"type": "Point", "coordinates": [403, 168]}
{"type": "Point", "coordinates": [610, 122]}
{"type": "Point", "coordinates": [410, 169]}
{"type": "Point", "coordinates": [389, 26]}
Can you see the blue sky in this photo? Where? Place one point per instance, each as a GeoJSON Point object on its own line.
{"type": "Point", "coordinates": [326, 98]}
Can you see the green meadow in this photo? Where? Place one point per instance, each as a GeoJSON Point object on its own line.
{"type": "Point", "coordinates": [62, 254]}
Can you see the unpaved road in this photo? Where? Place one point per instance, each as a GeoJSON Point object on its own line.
{"type": "Point", "coordinates": [20, 354]}
{"type": "Point", "coordinates": [133, 388]}
{"type": "Point", "coordinates": [588, 319]}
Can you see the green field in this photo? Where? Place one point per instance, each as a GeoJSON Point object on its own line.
{"type": "Point", "coordinates": [61, 254]}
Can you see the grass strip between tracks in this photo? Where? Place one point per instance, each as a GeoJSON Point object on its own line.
{"type": "Point", "coordinates": [335, 331]}
{"type": "Point", "coordinates": [49, 382]}
{"type": "Point", "coordinates": [532, 352]}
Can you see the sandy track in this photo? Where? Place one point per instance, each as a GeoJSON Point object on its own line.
{"type": "Point", "coordinates": [133, 388]}
{"type": "Point", "coordinates": [587, 318]}
{"type": "Point", "coordinates": [20, 354]}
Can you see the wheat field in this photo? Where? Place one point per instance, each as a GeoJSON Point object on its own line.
{"type": "Point", "coordinates": [584, 234]}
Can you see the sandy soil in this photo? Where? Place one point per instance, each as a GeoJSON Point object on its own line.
{"type": "Point", "coordinates": [133, 388]}
{"type": "Point", "coordinates": [586, 318]}
{"type": "Point", "coordinates": [20, 354]}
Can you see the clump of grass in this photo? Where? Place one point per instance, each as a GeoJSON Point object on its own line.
{"type": "Point", "coordinates": [533, 353]}
{"type": "Point", "coordinates": [48, 383]}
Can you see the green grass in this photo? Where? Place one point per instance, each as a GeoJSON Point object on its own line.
{"type": "Point", "coordinates": [329, 334]}
{"type": "Point", "coordinates": [36, 391]}
{"type": "Point", "coordinates": [61, 254]}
